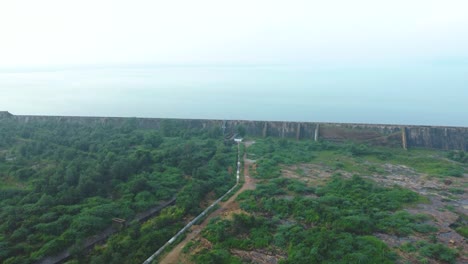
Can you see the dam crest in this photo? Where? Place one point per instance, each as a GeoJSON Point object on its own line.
{"type": "Point", "coordinates": [406, 136]}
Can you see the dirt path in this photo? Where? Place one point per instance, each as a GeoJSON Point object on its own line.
{"type": "Point", "coordinates": [175, 255]}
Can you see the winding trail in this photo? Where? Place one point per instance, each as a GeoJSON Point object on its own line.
{"type": "Point", "coordinates": [173, 257]}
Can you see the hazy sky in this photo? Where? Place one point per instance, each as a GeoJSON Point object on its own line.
{"type": "Point", "coordinates": [50, 32]}
{"type": "Point", "coordinates": [399, 61]}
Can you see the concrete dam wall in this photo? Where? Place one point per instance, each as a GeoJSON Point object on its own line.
{"type": "Point", "coordinates": [431, 137]}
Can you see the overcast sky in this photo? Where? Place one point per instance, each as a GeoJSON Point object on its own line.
{"type": "Point", "coordinates": [399, 61]}
{"type": "Point", "coordinates": [65, 32]}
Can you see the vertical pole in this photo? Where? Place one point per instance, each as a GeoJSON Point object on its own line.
{"type": "Point", "coordinates": [404, 138]}
{"type": "Point", "coordinates": [265, 129]}
{"type": "Point", "coordinates": [282, 130]}
{"type": "Point", "coordinates": [317, 128]}
{"type": "Point", "coordinates": [298, 132]}
{"type": "Point", "coordinates": [238, 162]}
{"type": "Point", "coordinates": [224, 127]}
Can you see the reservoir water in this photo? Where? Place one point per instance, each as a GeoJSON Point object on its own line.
{"type": "Point", "coordinates": [423, 95]}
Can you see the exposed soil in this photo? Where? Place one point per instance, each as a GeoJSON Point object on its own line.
{"type": "Point", "coordinates": [311, 174]}
{"type": "Point", "coordinates": [257, 256]}
{"type": "Point", "coordinates": [225, 210]}
{"type": "Point", "coordinates": [444, 206]}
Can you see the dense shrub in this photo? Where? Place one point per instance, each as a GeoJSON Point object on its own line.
{"type": "Point", "coordinates": [66, 181]}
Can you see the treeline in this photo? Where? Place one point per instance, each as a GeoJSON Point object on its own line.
{"type": "Point", "coordinates": [63, 182]}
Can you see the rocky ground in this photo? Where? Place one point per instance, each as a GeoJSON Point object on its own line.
{"type": "Point", "coordinates": [446, 203]}
{"type": "Point", "coordinates": [447, 199]}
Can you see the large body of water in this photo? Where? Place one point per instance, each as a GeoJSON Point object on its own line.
{"type": "Point", "coordinates": [427, 95]}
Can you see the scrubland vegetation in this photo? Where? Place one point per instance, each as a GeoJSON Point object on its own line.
{"type": "Point", "coordinates": [336, 220]}
{"type": "Point", "coordinates": [61, 183]}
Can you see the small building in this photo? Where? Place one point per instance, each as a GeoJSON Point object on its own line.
{"type": "Point", "coordinates": [119, 223]}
